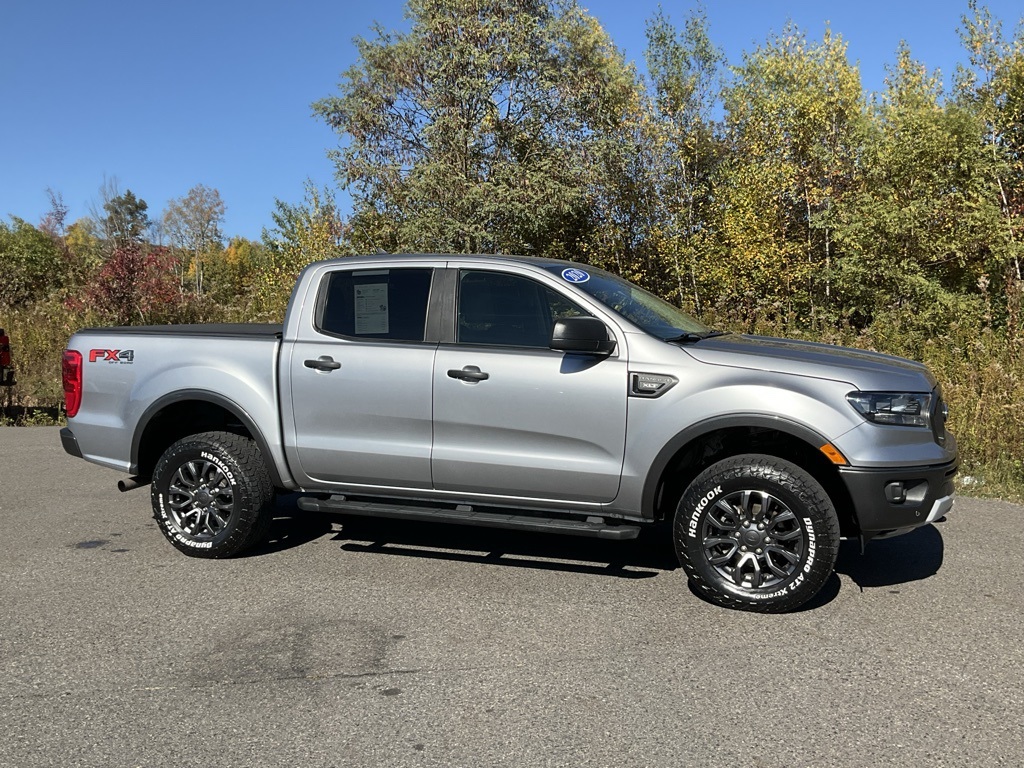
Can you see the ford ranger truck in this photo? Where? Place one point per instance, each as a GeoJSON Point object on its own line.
{"type": "Point", "coordinates": [519, 393]}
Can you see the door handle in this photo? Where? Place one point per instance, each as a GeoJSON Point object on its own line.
{"type": "Point", "coordinates": [323, 363]}
{"type": "Point", "coordinates": [468, 373]}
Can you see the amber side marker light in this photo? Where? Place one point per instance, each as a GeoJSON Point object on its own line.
{"type": "Point", "coordinates": [833, 454]}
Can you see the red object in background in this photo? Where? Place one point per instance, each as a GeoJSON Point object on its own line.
{"type": "Point", "coordinates": [6, 372]}
{"type": "Point", "coordinates": [71, 377]}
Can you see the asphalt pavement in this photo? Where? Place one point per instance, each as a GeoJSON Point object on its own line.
{"type": "Point", "coordinates": [347, 642]}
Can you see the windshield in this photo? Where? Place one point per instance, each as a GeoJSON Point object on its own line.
{"type": "Point", "coordinates": [654, 315]}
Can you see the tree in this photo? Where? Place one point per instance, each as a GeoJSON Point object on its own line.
{"type": "Point", "coordinates": [135, 285]}
{"type": "Point", "coordinates": [33, 264]}
{"type": "Point", "coordinates": [302, 233]}
{"type": "Point", "coordinates": [85, 245]}
{"type": "Point", "coordinates": [992, 86]}
{"type": "Point", "coordinates": [53, 220]}
{"type": "Point", "coordinates": [686, 78]}
{"type": "Point", "coordinates": [193, 223]}
{"type": "Point", "coordinates": [918, 227]}
{"type": "Point", "coordinates": [80, 248]}
{"type": "Point", "coordinates": [229, 275]}
{"type": "Point", "coordinates": [793, 119]}
{"type": "Point", "coordinates": [478, 129]}
{"type": "Point", "coordinates": [126, 221]}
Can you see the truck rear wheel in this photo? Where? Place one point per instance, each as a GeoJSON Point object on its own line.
{"type": "Point", "coordinates": [756, 533]}
{"type": "Point", "coordinates": [212, 494]}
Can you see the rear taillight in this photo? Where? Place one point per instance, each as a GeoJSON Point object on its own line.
{"type": "Point", "coordinates": [71, 376]}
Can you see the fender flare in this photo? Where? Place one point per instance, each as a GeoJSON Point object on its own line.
{"type": "Point", "coordinates": [214, 399]}
{"type": "Point", "coordinates": [673, 446]}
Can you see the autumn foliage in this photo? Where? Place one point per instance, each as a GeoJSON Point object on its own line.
{"type": "Point", "coordinates": [136, 285]}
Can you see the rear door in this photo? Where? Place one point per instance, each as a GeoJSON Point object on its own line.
{"type": "Point", "coordinates": [513, 417]}
{"type": "Point", "coordinates": [360, 380]}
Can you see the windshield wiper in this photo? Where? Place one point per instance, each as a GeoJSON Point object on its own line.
{"type": "Point", "coordinates": [690, 337]}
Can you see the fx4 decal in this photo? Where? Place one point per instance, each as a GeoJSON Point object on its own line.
{"type": "Point", "coordinates": [112, 355]}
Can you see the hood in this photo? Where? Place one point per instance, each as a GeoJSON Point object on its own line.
{"type": "Point", "coordinates": [867, 371]}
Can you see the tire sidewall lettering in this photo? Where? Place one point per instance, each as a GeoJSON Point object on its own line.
{"type": "Point", "coordinates": [189, 543]}
{"type": "Point", "coordinates": [811, 548]}
{"type": "Point", "coordinates": [699, 507]}
{"type": "Point", "coordinates": [219, 464]}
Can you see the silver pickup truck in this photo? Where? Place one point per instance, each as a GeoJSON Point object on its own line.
{"type": "Point", "coordinates": [518, 393]}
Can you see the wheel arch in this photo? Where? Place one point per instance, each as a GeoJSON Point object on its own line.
{"type": "Point", "coordinates": [695, 448]}
{"type": "Point", "coordinates": [186, 412]}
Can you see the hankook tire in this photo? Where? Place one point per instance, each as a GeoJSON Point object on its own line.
{"type": "Point", "coordinates": [756, 533]}
{"type": "Point", "coordinates": [212, 494]}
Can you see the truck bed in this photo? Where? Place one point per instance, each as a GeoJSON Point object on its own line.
{"type": "Point", "coordinates": [130, 373]}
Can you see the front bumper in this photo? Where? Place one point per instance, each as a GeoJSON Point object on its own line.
{"type": "Point", "coordinates": [893, 500]}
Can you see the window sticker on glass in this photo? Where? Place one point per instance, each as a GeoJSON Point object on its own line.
{"type": "Point", "coordinates": [371, 308]}
{"type": "Point", "coordinates": [574, 275]}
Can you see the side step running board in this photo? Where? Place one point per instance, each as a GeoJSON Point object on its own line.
{"type": "Point", "coordinates": [594, 527]}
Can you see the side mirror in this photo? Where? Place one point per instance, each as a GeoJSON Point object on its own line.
{"type": "Point", "coordinates": [582, 336]}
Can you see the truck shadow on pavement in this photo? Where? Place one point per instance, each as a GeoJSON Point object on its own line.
{"type": "Point", "coordinates": [885, 563]}
{"type": "Point", "coordinates": [644, 557]}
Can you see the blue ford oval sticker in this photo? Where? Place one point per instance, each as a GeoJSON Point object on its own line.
{"type": "Point", "coordinates": [574, 275]}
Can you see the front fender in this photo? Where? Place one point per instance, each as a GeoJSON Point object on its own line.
{"type": "Point", "coordinates": [679, 440]}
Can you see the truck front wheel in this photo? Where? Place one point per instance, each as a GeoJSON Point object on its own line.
{"type": "Point", "coordinates": [756, 533]}
{"type": "Point", "coordinates": [212, 494]}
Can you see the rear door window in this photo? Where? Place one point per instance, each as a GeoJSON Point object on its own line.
{"type": "Point", "coordinates": [388, 304]}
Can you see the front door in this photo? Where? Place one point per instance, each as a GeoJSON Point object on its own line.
{"type": "Point", "coordinates": [515, 418]}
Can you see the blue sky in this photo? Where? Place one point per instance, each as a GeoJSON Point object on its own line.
{"type": "Point", "coordinates": [163, 96]}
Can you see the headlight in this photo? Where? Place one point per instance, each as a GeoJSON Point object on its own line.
{"type": "Point", "coordinates": [907, 409]}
